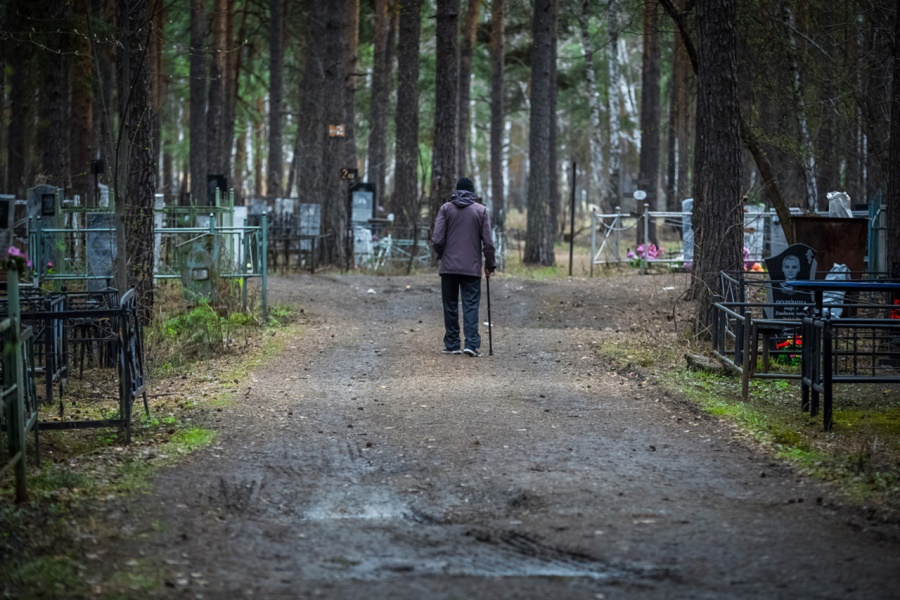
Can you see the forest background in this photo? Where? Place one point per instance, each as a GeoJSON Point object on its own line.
{"type": "Point", "coordinates": [773, 101]}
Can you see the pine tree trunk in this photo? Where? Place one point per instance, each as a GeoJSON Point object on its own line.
{"type": "Point", "coordinates": [555, 201]}
{"type": "Point", "coordinates": [595, 141]}
{"type": "Point", "coordinates": [351, 69]}
{"type": "Point", "coordinates": [312, 115]}
{"type": "Point", "coordinates": [806, 147]}
{"type": "Point", "coordinates": [334, 151]}
{"type": "Point", "coordinates": [20, 61]}
{"type": "Point", "coordinates": [615, 144]}
{"type": "Point", "coordinates": [215, 115]}
{"type": "Point", "coordinates": [232, 90]}
{"type": "Point", "coordinates": [405, 201]}
{"type": "Point", "coordinates": [470, 27]}
{"type": "Point", "coordinates": [135, 207]}
{"type": "Point", "coordinates": [649, 161]}
{"type": "Point", "coordinates": [198, 137]}
{"type": "Point", "coordinates": [380, 99]}
{"type": "Point", "coordinates": [275, 172]}
{"type": "Point", "coordinates": [893, 184]}
{"type": "Point", "coordinates": [443, 157]}
{"type": "Point", "coordinates": [498, 193]}
{"type": "Point", "coordinates": [53, 136]}
{"type": "Point", "coordinates": [539, 235]}
{"type": "Point", "coordinates": [82, 105]}
{"type": "Point", "coordinates": [718, 213]}
{"type": "Point", "coordinates": [158, 82]}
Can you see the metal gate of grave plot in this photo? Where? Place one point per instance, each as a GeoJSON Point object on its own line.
{"type": "Point", "coordinates": [80, 323]}
{"type": "Point", "coordinates": [202, 256]}
{"type": "Point", "coordinates": [199, 256]}
{"type": "Point", "coordinates": [18, 400]}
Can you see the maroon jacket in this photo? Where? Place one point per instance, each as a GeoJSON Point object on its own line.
{"type": "Point", "coordinates": [462, 232]}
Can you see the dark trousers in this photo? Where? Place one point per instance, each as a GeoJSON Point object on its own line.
{"type": "Point", "coordinates": [469, 287]}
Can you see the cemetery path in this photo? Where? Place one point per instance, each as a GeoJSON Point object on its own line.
{"type": "Point", "coordinates": [363, 463]}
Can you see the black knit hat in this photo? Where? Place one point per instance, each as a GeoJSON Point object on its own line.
{"type": "Point", "coordinates": [465, 184]}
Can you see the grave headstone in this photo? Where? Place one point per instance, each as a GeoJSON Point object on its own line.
{"type": "Point", "coordinates": [362, 204]}
{"type": "Point", "coordinates": [197, 272]}
{"type": "Point", "coordinates": [101, 249]}
{"type": "Point", "coordinates": [687, 209]}
{"type": "Point", "coordinates": [796, 263]}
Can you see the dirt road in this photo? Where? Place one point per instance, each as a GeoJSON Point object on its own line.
{"type": "Point", "coordinates": [363, 463]}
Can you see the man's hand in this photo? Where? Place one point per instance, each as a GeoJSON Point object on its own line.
{"type": "Point", "coordinates": [487, 273]}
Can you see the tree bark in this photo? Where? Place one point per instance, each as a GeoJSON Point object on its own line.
{"type": "Point", "coordinates": [807, 154]}
{"type": "Point", "coordinates": [649, 160]}
{"type": "Point", "coordinates": [351, 76]}
{"type": "Point", "coordinates": [275, 172]}
{"type": "Point", "coordinates": [334, 151]}
{"type": "Point", "coordinates": [539, 235]}
{"type": "Point", "coordinates": [595, 141]}
{"type": "Point", "coordinates": [312, 112]}
{"type": "Point", "coordinates": [54, 142]}
{"type": "Point", "coordinates": [134, 208]}
{"type": "Point", "coordinates": [893, 184]}
{"type": "Point", "coordinates": [498, 193]}
{"type": "Point", "coordinates": [19, 60]}
{"type": "Point", "coordinates": [405, 201]}
{"type": "Point", "coordinates": [215, 114]}
{"type": "Point", "coordinates": [380, 99]}
{"type": "Point", "coordinates": [615, 144]}
{"type": "Point", "coordinates": [443, 157]}
{"type": "Point", "coordinates": [470, 27]}
{"type": "Point", "coordinates": [82, 105]}
{"type": "Point", "coordinates": [232, 89]}
{"type": "Point", "coordinates": [198, 137]}
{"type": "Point", "coordinates": [718, 213]}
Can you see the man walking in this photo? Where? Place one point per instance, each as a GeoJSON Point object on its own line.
{"type": "Point", "coordinates": [462, 233]}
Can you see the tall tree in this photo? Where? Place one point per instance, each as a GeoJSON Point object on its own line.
{"type": "Point", "coordinates": [650, 73]}
{"type": "Point", "coordinates": [334, 151]}
{"type": "Point", "coordinates": [82, 135]}
{"type": "Point", "coordinates": [351, 70]}
{"type": "Point", "coordinates": [18, 61]}
{"type": "Point", "coordinates": [498, 125]}
{"type": "Point", "coordinates": [443, 154]}
{"type": "Point", "coordinates": [135, 165]}
{"type": "Point", "coordinates": [470, 27]}
{"type": "Point", "coordinates": [233, 56]}
{"type": "Point", "coordinates": [595, 142]}
{"type": "Point", "coordinates": [613, 112]}
{"type": "Point", "coordinates": [540, 235]}
{"type": "Point", "coordinates": [718, 213]}
{"type": "Point", "coordinates": [893, 186]}
{"type": "Point", "coordinates": [215, 111]}
{"type": "Point", "coordinates": [312, 111]}
{"type": "Point", "coordinates": [405, 200]}
{"type": "Point", "coordinates": [198, 139]}
{"type": "Point", "coordinates": [275, 172]}
{"type": "Point", "coordinates": [55, 107]}
{"type": "Point", "coordinates": [380, 98]}
{"type": "Point", "coordinates": [806, 147]}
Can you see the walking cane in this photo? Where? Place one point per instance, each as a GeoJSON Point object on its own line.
{"type": "Point", "coordinates": [490, 339]}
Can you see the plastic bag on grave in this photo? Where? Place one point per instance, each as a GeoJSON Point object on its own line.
{"type": "Point", "coordinates": [838, 272]}
{"type": "Point", "coordinates": [839, 205]}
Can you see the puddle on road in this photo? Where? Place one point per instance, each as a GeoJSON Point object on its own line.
{"type": "Point", "coordinates": [374, 535]}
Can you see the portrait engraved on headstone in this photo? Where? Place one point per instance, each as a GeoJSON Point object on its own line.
{"type": "Point", "coordinates": [796, 263]}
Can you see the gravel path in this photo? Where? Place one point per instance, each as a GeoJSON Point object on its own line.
{"type": "Point", "coordinates": [363, 463]}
